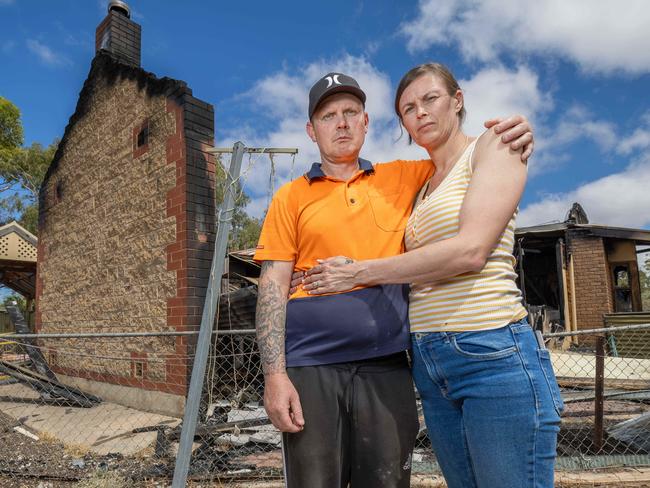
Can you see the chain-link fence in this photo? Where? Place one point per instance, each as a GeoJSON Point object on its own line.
{"type": "Point", "coordinates": [70, 418]}
{"type": "Point", "coordinates": [66, 415]}
{"type": "Point", "coordinates": [605, 381]}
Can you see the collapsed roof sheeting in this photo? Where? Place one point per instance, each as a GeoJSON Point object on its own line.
{"type": "Point", "coordinates": [640, 236]}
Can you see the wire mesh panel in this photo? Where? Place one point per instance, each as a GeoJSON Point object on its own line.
{"type": "Point", "coordinates": [607, 395]}
{"type": "Point", "coordinates": [121, 413]}
{"type": "Point", "coordinates": [87, 413]}
{"type": "Point", "coordinates": [235, 442]}
{"type": "Point", "coordinates": [113, 415]}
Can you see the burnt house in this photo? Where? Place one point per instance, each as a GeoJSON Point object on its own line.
{"type": "Point", "coordinates": [126, 227]}
{"type": "Point", "coordinates": [574, 273]}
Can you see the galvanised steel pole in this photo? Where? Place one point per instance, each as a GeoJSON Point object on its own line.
{"type": "Point", "coordinates": [207, 321]}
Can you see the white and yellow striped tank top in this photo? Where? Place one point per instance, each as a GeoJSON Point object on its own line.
{"type": "Point", "coordinates": [482, 300]}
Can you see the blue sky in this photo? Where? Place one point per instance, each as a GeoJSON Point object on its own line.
{"type": "Point", "coordinates": [579, 70]}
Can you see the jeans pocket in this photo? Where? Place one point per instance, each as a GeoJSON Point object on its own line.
{"type": "Point", "coordinates": [484, 345]}
{"type": "Point", "coordinates": [549, 375]}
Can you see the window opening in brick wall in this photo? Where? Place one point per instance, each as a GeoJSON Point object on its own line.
{"type": "Point", "coordinates": [143, 136]}
{"type": "Point", "coordinates": [59, 191]}
{"type": "Point", "coordinates": [139, 369]}
{"type": "Point", "coordinates": [622, 288]}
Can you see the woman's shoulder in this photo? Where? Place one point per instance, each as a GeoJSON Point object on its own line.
{"type": "Point", "coordinates": [488, 145]}
{"type": "Point", "coordinates": [487, 140]}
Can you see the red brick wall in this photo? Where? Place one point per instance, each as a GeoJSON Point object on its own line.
{"type": "Point", "coordinates": [592, 283]}
{"type": "Point", "coordinates": [191, 202]}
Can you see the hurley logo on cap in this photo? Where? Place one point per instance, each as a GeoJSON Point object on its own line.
{"type": "Point", "coordinates": [332, 79]}
{"type": "Point", "coordinates": [330, 84]}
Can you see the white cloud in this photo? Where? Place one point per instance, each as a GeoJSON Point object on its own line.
{"type": "Point", "coordinates": [282, 98]}
{"type": "Point", "coordinates": [577, 122]}
{"type": "Point", "coordinates": [553, 144]}
{"type": "Point", "coordinates": [639, 140]}
{"type": "Point", "coordinates": [6, 2]}
{"type": "Point", "coordinates": [500, 92]}
{"type": "Point", "coordinates": [599, 35]}
{"type": "Point", "coordinates": [496, 91]}
{"type": "Point", "coordinates": [619, 199]}
{"type": "Point", "coordinates": [46, 54]}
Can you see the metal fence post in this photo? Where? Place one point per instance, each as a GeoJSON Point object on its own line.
{"type": "Point", "coordinates": [207, 320]}
{"type": "Point", "coordinates": [599, 393]}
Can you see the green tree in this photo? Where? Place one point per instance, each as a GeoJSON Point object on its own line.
{"type": "Point", "coordinates": [11, 129]}
{"type": "Point", "coordinates": [21, 169]}
{"type": "Point", "coordinates": [23, 174]}
{"type": "Point", "coordinates": [245, 230]}
{"type": "Point", "coordinates": [14, 297]}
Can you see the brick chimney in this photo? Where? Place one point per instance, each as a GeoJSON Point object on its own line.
{"type": "Point", "coordinates": [118, 34]}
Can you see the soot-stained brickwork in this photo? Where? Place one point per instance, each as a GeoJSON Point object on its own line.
{"type": "Point", "coordinates": [593, 287]}
{"type": "Point", "coordinates": [125, 232]}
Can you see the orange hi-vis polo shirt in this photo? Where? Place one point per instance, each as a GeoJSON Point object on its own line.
{"type": "Point", "coordinates": [315, 217]}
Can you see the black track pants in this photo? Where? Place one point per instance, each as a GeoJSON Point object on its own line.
{"type": "Point", "coordinates": [360, 425]}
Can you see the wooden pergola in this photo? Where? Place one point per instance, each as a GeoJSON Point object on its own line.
{"type": "Point", "coordinates": [18, 260]}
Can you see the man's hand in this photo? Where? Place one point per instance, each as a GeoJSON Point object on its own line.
{"type": "Point", "coordinates": [517, 131]}
{"type": "Point", "coordinates": [280, 397]}
{"type": "Point", "coordinates": [282, 403]}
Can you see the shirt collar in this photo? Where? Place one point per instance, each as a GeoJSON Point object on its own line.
{"type": "Point", "coordinates": [316, 170]}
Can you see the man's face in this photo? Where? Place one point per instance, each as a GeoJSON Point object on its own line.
{"type": "Point", "coordinates": [339, 127]}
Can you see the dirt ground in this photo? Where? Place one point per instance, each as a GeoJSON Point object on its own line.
{"type": "Point", "coordinates": [27, 463]}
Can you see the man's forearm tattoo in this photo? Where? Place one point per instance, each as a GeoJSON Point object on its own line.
{"type": "Point", "coordinates": [270, 318]}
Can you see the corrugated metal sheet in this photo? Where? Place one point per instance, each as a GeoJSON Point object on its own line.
{"type": "Point", "coordinates": [627, 318]}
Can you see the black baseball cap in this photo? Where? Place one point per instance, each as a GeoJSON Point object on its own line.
{"type": "Point", "coordinates": [330, 84]}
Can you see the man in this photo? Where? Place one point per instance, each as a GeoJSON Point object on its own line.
{"type": "Point", "coordinates": [337, 381]}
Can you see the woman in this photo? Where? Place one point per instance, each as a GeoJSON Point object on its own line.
{"type": "Point", "coordinates": [490, 399]}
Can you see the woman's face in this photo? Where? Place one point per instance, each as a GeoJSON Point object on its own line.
{"type": "Point", "coordinates": [429, 113]}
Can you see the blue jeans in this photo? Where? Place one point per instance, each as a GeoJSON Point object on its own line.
{"type": "Point", "coordinates": [491, 404]}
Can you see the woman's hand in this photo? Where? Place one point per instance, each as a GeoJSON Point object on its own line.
{"type": "Point", "coordinates": [296, 281]}
{"type": "Point", "coordinates": [517, 131]}
{"type": "Point", "coordinates": [335, 274]}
